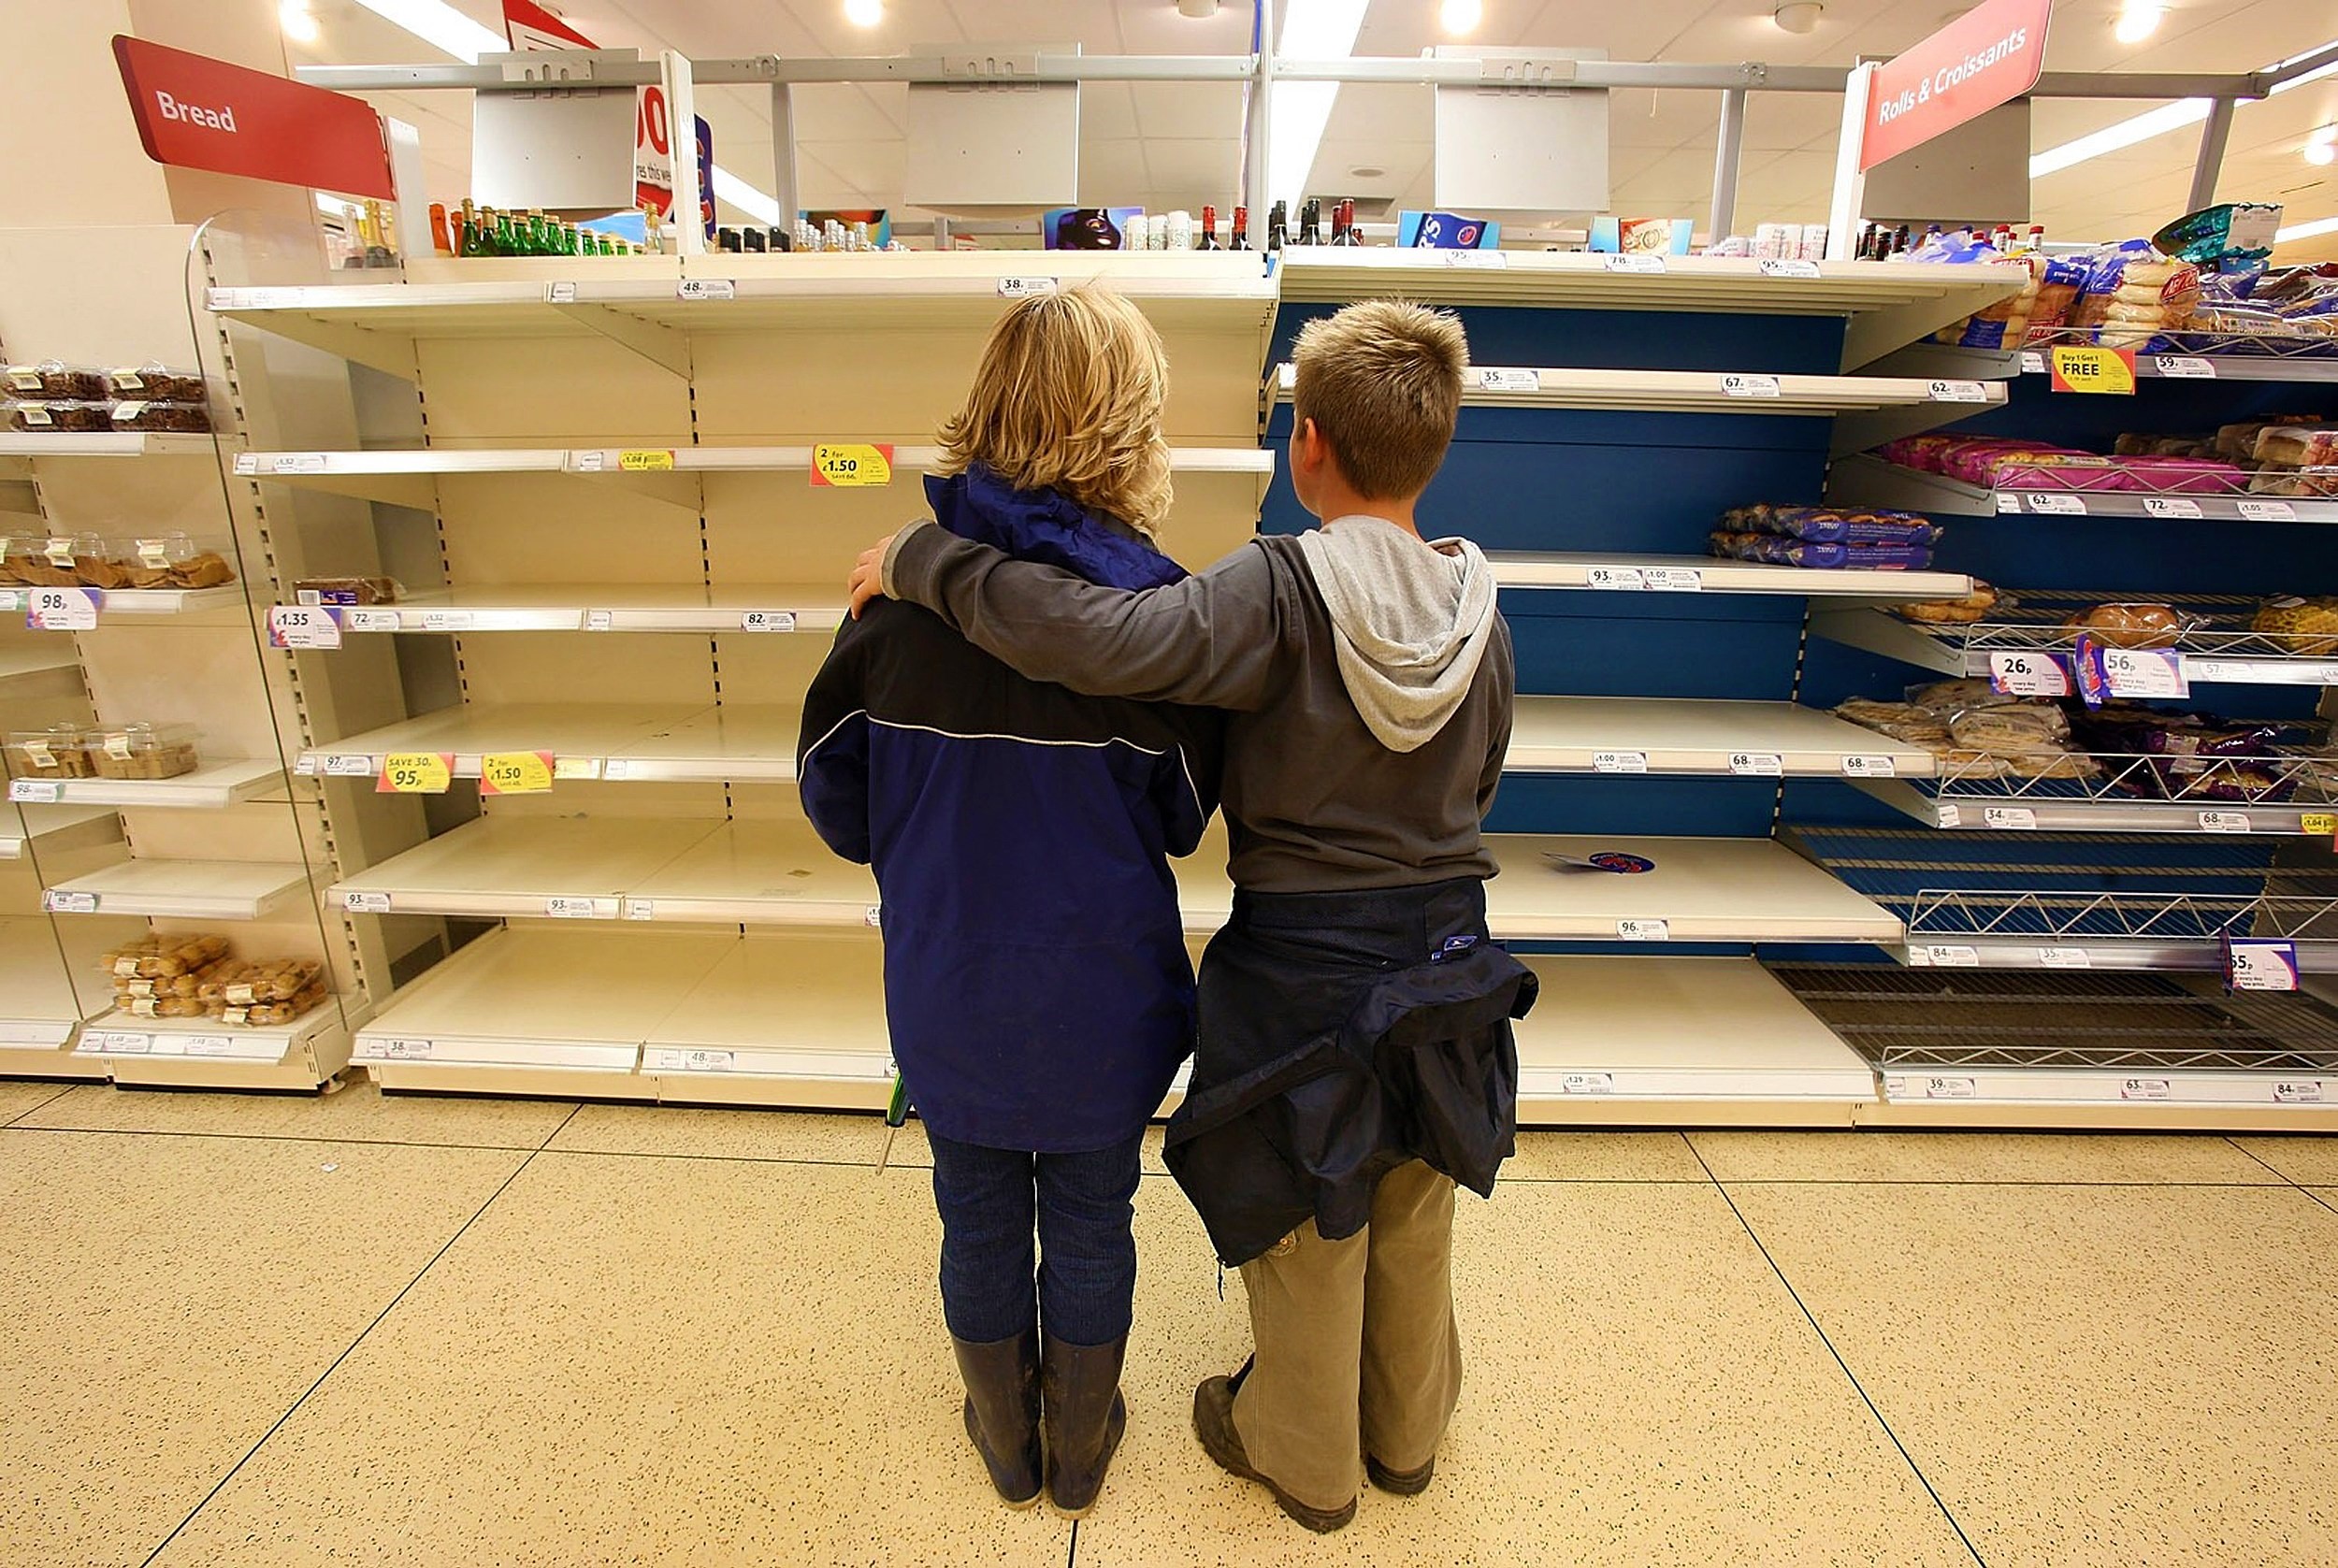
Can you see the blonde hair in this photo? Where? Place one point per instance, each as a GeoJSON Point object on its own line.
{"type": "Point", "coordinates": [1382, 381]}
{"type": "Point", "coordinates": [1068, 398]}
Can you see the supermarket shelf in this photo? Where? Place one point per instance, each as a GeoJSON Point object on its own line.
{"type": "Point", "coordinates": [212, 786]}
{"type": "Point", "coordinates": [142, 601]}
{"type": "Point", "coordinates": [783, 1019]}
{"type": "Point", "coordinates": [1679, 1039]}
{"type": "Point", "coordinates": [52, 830]}
{"type": "Point", "coordinates": [116, 1034]}
{"type": "Point", "coordinates": [645, 304]}
{"type": "Point", "coordinates": [1708, 575]}
{"type": "Point", "coordinates": [1703, 392]}
{"type": "Point", "coordinates": [1658, 735]}
{"type": "Point", "coordinates": [104, 443]}
{"type": "Point", "coordinates": [764, 873]}
{"type": "Point", "coordinates": [1701, 890]}
{"type": "Point", "coordinates": [496, 867]}
{"type": "Point", "coordinates": [1859, 478]}
{"type": "Point", "coordinates": [2192, 356]}
{"type": "Point", "coordinates": [666, 744]}
{"type": "Point", "coordinates": [2130, 794]}
{"type": "Point", "coordinates": [180, 889]}
{"type": "Point", "coordinates": [1889, 303]}
{"type": "Point", "coordinates": [752, 608]}
{"type": "Point", "coordinates": [38, 1011]}
{"type": "Point", "coordinates": [30, 672]}
{"type": "Point", "coordinates": [2216, 646]}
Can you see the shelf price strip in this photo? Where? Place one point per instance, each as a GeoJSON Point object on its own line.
{"type": "Point", "coordinates": [61, 608]}
{"type": "Point", "coordinates": [1653, 579]}
{"type": "Point", "coordinates": [303, 626]}
{"type": "Point", "coordinates": [415, 773]}
{"type": "Point", "coordinates": [851, 465]}
{"type": "Point", "coordinates": [516, 772]}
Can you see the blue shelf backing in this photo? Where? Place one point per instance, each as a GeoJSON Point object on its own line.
{"type": "Point", "coordinates": [1627, 340]}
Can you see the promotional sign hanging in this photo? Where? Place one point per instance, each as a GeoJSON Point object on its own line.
{"type": "Point", "coordinates": [1990, 56]}
{"type": "Point", "coordinates": [199, 113]}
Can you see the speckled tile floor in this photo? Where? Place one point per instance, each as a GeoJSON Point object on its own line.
{"type": "Point", "coordinates": [246, 1330]}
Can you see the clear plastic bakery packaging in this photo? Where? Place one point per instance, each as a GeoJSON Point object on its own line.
{"type": "Point", "coordinates": [158, 382]}
{"type": "Point", "coordinates": [173, 560]}
{"type": "Point", "coordinates": [16, 553]}
{"type": "Point", "coordinates": [258, 992]}
{"type": "Point", "coordinates": [138, 413]}
{"type": "Point", "coordinates": [49, 416]}
{"type": "Point", "coordinates": [143, 750]}
{"type": "Point", "coordinates": [163, 957]}
{"type": "Point", "coordinates": [53, 378]}
{"type": "Point", "coordinates": [59, 751]}
{"type": "Point", "coordinates": [61, 561]}
{"type": "Point", "coordinates": [348, 590]}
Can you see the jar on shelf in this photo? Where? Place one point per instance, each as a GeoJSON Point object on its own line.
{"type": "Point", "coordinates": [143, 750]}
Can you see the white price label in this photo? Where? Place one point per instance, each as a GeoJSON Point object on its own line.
{"type": "Point", "coordinates": [706, 288]}
{"type": "Point", "coordinates": [344, 765]}
{"type": "Point", "coordinates": [210, 1045]}
{"type": "Point", "coordinates": [302, 625]}
{"type": "Point", "coordinates": [573, 908]}
{"type": "Point", "coordinates": [1779, 267]}
{"type": "Point", "coordinates": [576, 767]}
{"type": "Point", "coordinates": [1947, 814]}
{"type": "Point", "coordinates": [366, 903]}
{"type": "Point", "coordinates": [2144, 672]}
{"type": "Point", "coordinates": [1947, 956]}
{"type": "Point", "coordinates": [2029, 675]}
{"type": "Point", "coordinates": [601, 620]}
{"type": "Point", "coordinates": [1758, 765]}
{"type": "Point", "coordinates": [2065, 957]}
{"type": "Point", "coordinates": [701, 1061]}
{"type": "Point", "coordinates": [1490, 260]}
{"type": "Point", "coordinates": [371, 620]}
{"type": "Point", "coordinates": [1957, 391]}
{"type": "Point", "coordinates": [59, 900]}
{"type": "Point", "coordinates": [296, 461]}
{"type": "Point", "coordinates": [1494, 379]}
{"type": "Point", "coordinates": [2252, 964]}
{"type": "Point", "coordinates": [121, 1043]}
{"type": "Point", "coordinates": [874, 916]}
{"type": "Point", "coordinates": [615, 768]}
{"type": "Point", "coordinates": [2032, 363]}
{"type": "Point", "coordinates": [1950, 1088]}
{"type": "Point", "coordinates": [246, 465]}
{"type": "Point", "coordinates": [1619, 762]}
{"type": "Point", "coordinates": [2008, 816]}
{"type": "Point", "coordinates": [591, 462]}
{"type": "Point", "coordinates": [2170, 506]}
{"type": "Point", "coordinates": [766, 620]}
{"type": "Point", "coordinates": [1869, 767]}
{"type": "Point", "coordinates": [2186, 367]}
{"type": "Point", "coordinates": [562, 293]}
{"type": "Point", "coordinates": [61, 608]}
{"type": "Point", "coordinates": [2047, 503]}
{"type": "Point", "coordinates": [1587, 1083]}
{"type": "Point", "coordinates": [1735, 386]}
{"type": "Point", "coordinates": [1672, 580]}
{"type": "Point", "coordinates": [641, 909]}
{"type": "Point", "coordinates": [2267, 511]}
{"type": "Point", "coordinates": [1023, 288]}
{"type": "Point", "coordinates": [446, 620]}
{"type": "Point", "coordinates": [1643, 930]}
{"type": "Point", "coordinates": [2224, 822]}
{"type": "Point", "coordinates": [36, 792]}
{"type": "Point", "coordinates": [382, 1049]}
{"type": "Point", "coordinates": [1637, 261]}
{"type": "Point", "coordinates": [2007, 502]}
{"type": "Point", "coordinates": [2145, 1088]}
{"type": "Point", "coordinates": [2298, 1091]}
{"type": "Point", "coordinates": [1627, 578]}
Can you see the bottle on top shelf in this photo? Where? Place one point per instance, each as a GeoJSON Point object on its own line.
{"type": "Point", "coordinates": [1240, 238]}
{"type": "Point", "coordinates": [1209, 241]}
{"type": "Point", "coordinates": [1312, 222]}
{"type": "Point", "coordinates": [1344, 231]}
{"type": "Point", "coordinates": [1278, 227]}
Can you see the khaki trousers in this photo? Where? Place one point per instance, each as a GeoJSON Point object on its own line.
{"type": "Point", "coordinates": [1357, 1349]}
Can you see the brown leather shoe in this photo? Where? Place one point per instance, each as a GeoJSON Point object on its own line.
{"type": "Point", "coordinates": [1213, 1423]}
{"type": "Point", "coordinates": [1003, 1411]}
{"type": "Point", "coordinates": [1403, 1483]}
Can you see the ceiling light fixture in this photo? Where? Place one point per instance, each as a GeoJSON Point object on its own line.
{"type": "Point", "coordinates": [864, 13]}
{"type": "Point", "coordinates": [2166, 118]}
{"type": "Point", "coordinates": [2313, 230]}
{"type": "Point", "coordinates": [2322, 151]}
{"type": "Point", "coordinates": [1798, 16]}
{"type": "Point", "coordinates": [1200, 10]}
{"type": "Point", "coordinates": [298, 22]}
{"type": "Point", "coordinates": [1312, 30]}
{"type": "Point", "coordinates": [2138, 21]}
{"type": "Point", "coordinates": [1461, 15]}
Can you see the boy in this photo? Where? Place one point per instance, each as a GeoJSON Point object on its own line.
{"type": "Point", "coordinates": [1355, 1057]}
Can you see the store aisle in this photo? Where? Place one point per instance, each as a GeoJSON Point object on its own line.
{"type": "Point", "coordinates": [275, 1331]}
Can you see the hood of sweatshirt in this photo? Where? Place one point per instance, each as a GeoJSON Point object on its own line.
{"type": "Point", "coordinates": [1410, 621]}
{"type": "Point", "coordinates": [1049, 528]}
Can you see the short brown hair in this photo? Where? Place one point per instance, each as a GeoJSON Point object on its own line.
{"type": "Point", "coordinates": [1382, 381]}
{"type": "Point", "coordinates": [1068, 398]}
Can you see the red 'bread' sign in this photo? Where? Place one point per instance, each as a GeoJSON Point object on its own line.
{"type": "Point", "coordinates": [1990, 56]}
{"type": "Point", "coordinates": [199, 113]}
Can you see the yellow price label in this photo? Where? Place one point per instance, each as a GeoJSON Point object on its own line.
{"type": "Point", "coordinates": [515, 772]}
{"type": "Point", "coordinates": [646, 462]}
{"type": "Point", "coordinates": [847, 465]}
{"type": "Point", "coordinates": [415, 773]}
{"type": "Point", "coordinates": [2318, 824]}
{"type": "Point", "coordinates": [2076, 369]}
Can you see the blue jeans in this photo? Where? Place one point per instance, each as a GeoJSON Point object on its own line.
{"type": "Point", "coordinates": [991, 1202]}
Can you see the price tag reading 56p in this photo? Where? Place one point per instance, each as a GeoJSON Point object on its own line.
{"type": "Point", "coordinates": [415, 773]}
{"type": "Point", "coordinates": [847, 465]}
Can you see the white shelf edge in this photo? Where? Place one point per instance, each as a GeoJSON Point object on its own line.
{"type": "Point", "coordinates": [212, 786]}
{"type": "Point", "coordinates": [115, 1034]}
{"type": "Point", "coordinates": [1672, 574]}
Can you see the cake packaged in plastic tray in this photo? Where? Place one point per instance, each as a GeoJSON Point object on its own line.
{"type": "Point", "coordinates": [59, 751]}
{"type": "Point", "coordinates": [53, 560]}
{"type": "Point", "coordinates": [143, 750]}
{"type": "Point", "coordinates": [48, 416]}
{"type": "Point", "coordinates": [137, 414]}
{"type": "Point", "coordinates": [156, 382]}
{"type": "Point", "coordinates": [54, 379]}
{"type": "Point", "coordinates": [173, 560]}
{"type": "Point", "coordinates": [339, 591]}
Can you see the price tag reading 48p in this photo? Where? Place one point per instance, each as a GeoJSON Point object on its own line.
{"type": "Point", "coordinates": [847, 465]}
{"type": "Point", "coordinates": [415, 773]}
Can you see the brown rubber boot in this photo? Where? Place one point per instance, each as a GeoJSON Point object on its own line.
{"type": "Point", "coordinates": [1003, 1411]}
{"type": "Point", "coordinates": [1080, 1388]}
{"type": "Point", "coordinates": [1213, 1423]}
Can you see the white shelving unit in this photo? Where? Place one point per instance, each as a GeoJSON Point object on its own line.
{"type": "Point", "coordinates": [182, 890]}
{"type": "Point", "coordinates": [1691, 574]}
{"type": "Point", "coordinates": [1490, 386]}
{"type": "Point", "coordinates": [125, 1042]}
{"type": "Point", "coordinates": [748, 608]}
{"type": "Point", "coordinates": [39, 671]}
{"type": "Point", "coordinates": [49, 830]}
{"type": "Point", "coordinates": [103, 443]}
{"type": "Point", "coordinates": [142, 601]}
{"type": "Point", "coordinates": [40, 1013]}
{"type": "Point", "coordinates": [212, 786]}
{"type": "Point", "coordinates": [1658, 735]}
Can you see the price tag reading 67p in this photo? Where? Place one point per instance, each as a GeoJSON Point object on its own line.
{"type": "Point", "coordinates": [851, 464]}
{"type": "Point", "coordinates": [415, 773]}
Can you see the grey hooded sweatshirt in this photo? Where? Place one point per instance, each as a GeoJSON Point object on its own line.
{"type": "Point", "coordinates": [1367, 678]}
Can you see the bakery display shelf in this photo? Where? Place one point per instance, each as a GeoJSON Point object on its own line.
{"type": "Point", "coordinates": [38, 1010]}
{"type": "Point", "coordinates": [656, 304]}
{"type": "Point", "coordinates": [115, 1035]}
{"type": "Point", "coordinates": [1625, 735]}
{"type": "Point", "coordinates": [211, 787]}
{"type": "Point", "coordinates": [182, 889]}
{"type": "Point", "coordinates": [1889, 303]}
{"type": "Point", "coordinates": [1706, 574]}
{"type": "Point", "coordinates": [2292, 791]}
{"type": "Point", "coordinates": [2131, 1044]}
{"type": "Point", "coordinates": [2215, 646]}
{"type": "Point", "coordinates": [1861, 478]}
{"type": "Point", "coordinates": [52, 830]}
{"type": "Point", "coordinates": [31, 670]}
{"type": "Point", "coordinates": [753, 608]}
{"type": "Point", "coordinates": [141, 601]}
{"type": "Point", "coordinates": [653, 743]}
{"type": "Point", "coordinates": [527, 867]}
{"type": "Point", "coordinates": [1701, 1040]}
{"type": "Point", "coordinates": [1488, 386]}
{"type": "Point", "coordinates": [796, 1018]}
{"type": "Point", "coordinates": [104, 443]}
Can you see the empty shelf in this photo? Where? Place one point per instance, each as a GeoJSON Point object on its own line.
{"type": "Point", "coordinates": [215, 785]}
{"type": "Point", "coordinates": [104, 443]}
{"type": "Point", "coordinates": [50, 830]}
{"type": "Point", "coordinates": [180, 889]}
{"type": "Point", "coordinates": [1655, 735]}
{"type": "Point", "coordinates": [1710, 575]}
{"type": "Point", "coordinates": [610, 607]}
{"type": "Point", "coordinates": [581, 736]}
{"type": "Point", "coordinates": [762, 873]}
{"type": "Point", "coordinates": [141, 601]}
{"type": "Point", "coordinates": [577, 868]}
{"type": "Point", "coordinates": [1489, 386]}
{"type": "Point", "coordinates": [807, 1007]}
{"type": "Point", "coordinates": [1863, 480]}
{"type": "Point", "coordinates": [32, 670]}
{"type": "Point", "coordinates": [1701, 890]}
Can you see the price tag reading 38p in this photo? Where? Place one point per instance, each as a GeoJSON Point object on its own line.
{"type": "Point", "coordinates": [851, 465]}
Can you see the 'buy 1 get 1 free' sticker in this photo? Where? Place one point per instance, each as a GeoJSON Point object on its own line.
{"type": "Point", "coordinates": [851, 465]}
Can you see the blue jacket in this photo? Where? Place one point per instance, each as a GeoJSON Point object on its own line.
{"type": "Point", "coordinates": [1037, 984]}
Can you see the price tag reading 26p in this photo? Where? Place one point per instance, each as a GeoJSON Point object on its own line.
{"type": "Point", "coordinates": [2023, 674]}
{"type": "Point", "coordinates": [415, 773]}
{"type": "Point", "coordinates": [515, 772]}
{"type": "Point", "coordinates": [851, 465]}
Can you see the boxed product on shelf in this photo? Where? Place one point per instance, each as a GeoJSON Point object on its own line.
{"type": "Point", "coordinates": [143, 750]}
{"type": "Point", "coordinates": [158, 382]}
{"type": "Point", "coordinates": [46, 416]}
{"type": "Point", "coordinates": [1775, 549]}
{"type": "Point", "coordinates": [339, 591]}
{"type": "Point", "coordinates": [133, 414]}
{"type": "Point", "coordinates": [59, 751]}
{"type": "Point", "coordinates": [54, 379]}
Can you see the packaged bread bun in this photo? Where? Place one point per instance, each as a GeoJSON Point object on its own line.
{"type": "Point", "coordinates": [2297, 446]}
{"type": "Point", "coordinates": [2130, 625]}
{"type": "Point", "coordinates": [1960, 611]}
{"type": "Point", "coordinates": [243, 982]}
{"type": "Point", "coordinates": [162, 957]}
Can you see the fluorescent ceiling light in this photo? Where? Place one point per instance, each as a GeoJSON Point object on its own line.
{"type": "Point", "coordinates": [746, 198]}
{"type": "Point", "coordinates": [2313, 230]}
{"type": "Point", "coordinates": [298, 22]}
{"type": "Point", "coordinates": [1312, 30]}
{"type": "Point", "coordinates": [2157, 122]}
{"type": "Point", "coordinates": [2138, 22]}
{"type": "Point", "coordinates": [1461, 15]}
